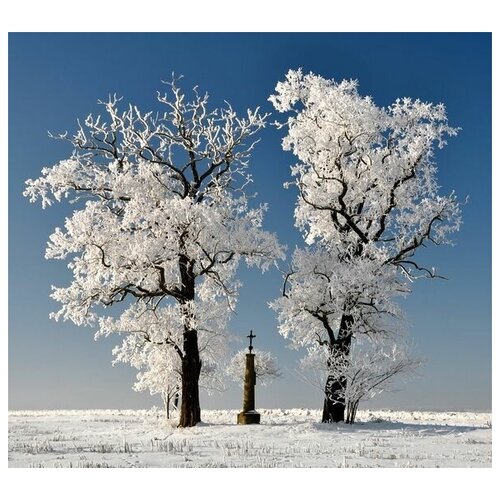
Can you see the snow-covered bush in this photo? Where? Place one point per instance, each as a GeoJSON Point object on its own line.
{"type": "Point", "coordinates": [266, 366]}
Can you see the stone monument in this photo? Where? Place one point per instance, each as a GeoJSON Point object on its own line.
{"type": "Point", "coordinates": [249, 415]}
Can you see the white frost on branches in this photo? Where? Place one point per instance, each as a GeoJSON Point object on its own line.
{"type": "Point", "coordinates": [147, 346]}
{"type": "Point", "coordinates": [368, 199]}
{"type": "Point", "coordinates": [366, 174]}
{"type": "Point", "coordinates": [266, 366]}
{"type": "Point", "coordinates": [161, 224]}
{"type": "Point", "coordinates": [372, 367]}
{"type": "Point", "coordinates": [320, 288]}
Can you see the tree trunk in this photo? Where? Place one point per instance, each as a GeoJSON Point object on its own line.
{"type": "Point", "coordinates": [167, 405]}
{"type": "Point", "coordinates": [334, 404]}
{"type": "Point", "coordinates": [351, 412]}
{"type": "Point", "coordinates": [190, 395]}
{"type": "Point", "coordinates": [335, 387]}
{"type": "Point", "coordinates": [176, 397]}
{"type": "Point", "coordinates": [190, 413]}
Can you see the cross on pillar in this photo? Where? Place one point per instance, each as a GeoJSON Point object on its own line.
{"type": "Point", "coordinates": [251, 337]}
{"type": "Point", "coordinates": [249, 415]}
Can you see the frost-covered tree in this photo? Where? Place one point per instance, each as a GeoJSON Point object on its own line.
{"type": "Point", "coordinates": [160, 367]}
{"type": "Point", "coordinates": [266, 366]}
{"type": "Point", "coordinates": [162, 225]}
{"type": "Point", "coordinates": [368, 200]}
{"type": "Point", "coordinates": [370, 368]}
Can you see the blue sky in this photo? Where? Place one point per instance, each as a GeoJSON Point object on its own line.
{"type": "Point", "coordinates": [56, 78]}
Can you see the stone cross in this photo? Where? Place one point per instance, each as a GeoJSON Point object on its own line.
{"type": "Point", "coordinates": [249, 415]}
{"type": "Point", "coordinates": [251, 336]}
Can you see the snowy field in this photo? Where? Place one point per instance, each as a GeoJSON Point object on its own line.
{"type": "Point", "coordinates": [285, 438]}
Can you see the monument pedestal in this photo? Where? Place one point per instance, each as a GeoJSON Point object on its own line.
{"type": "Point", "coordinates": [249, 417]}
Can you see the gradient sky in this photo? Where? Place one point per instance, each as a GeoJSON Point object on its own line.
{"type": "Point", "coordinates": [56, 78]}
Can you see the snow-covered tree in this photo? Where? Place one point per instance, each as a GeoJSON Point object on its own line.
{"type": "Point", "coordinates": [370, 368]}
{"type": "Point", "coordinates": [162, 225]}
{"type": "Point", "coordinates": [368, 200]}
{"type": "Point", "coordinates": [266, 366]}
{"type": "Point", "coordinates": [160, 368]}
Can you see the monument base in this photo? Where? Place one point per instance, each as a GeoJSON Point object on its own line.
{"type": "Point", "coordinates": [248, 417]}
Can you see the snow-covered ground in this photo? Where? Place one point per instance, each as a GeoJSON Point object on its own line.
{"type": "Point", "coordinates": [285, 438]}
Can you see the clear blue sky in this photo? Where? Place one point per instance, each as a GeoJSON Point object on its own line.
{"type": "Point", "coordinates": [56, 78]}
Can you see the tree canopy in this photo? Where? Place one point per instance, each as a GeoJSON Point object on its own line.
{"type": "Point", "coordinates": [368, 199]}
{"type": "Point", "coordinates": [162, 222]}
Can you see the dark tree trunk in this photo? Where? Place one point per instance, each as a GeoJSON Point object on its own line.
{"type": "Point", "coordinates": [190, 413]}
{"type": "Point", "coordinates": [176, 398]}
{"type": "Point", "coordinates": [334, 403]}
{"type": "Point", "coordinates": [190, 395]}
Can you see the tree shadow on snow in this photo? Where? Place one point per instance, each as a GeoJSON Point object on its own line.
{"type": "Point", "coordinates": [422, 429]}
